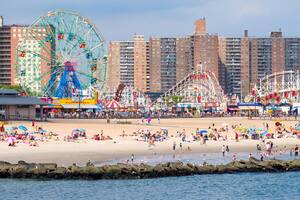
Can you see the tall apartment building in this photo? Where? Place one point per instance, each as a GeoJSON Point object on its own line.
{"type": "Point", "coordinates": [292, 53]}
{"type": "Point", "coordinates": [158, 64]}
{"type": "Point", "coordinates": [183, 57]}
{"type": "Point", "coordinates": [233, 65]}
{"type": "Point", "coordinates": [260, 58]}
{"type": "Point", "coordinates": [245, 65]}
{"type": "Point", "coordinates": [205, 49]}
{"type": "Point", "coordinates": [248, 59]}
{"type": "Point", "coordinates": [168, 63]}
{"type": "Point", "coordinates": [237, 62]}
{"type": "Point", "coordinates": [278, 56]}
{"type": "Point", "coordinates": [114, 75]}
{"type": "Point", "coordinates": [128, 63]}
{"type": "Point", "coordinates": [140, 62]}
{"type": "Point", "coordinates": [4, 53]}
{"type": "Point", "coordinates": [32, 69]}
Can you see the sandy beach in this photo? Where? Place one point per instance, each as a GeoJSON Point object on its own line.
{"type": "Point", "coordinates": [83, 150]}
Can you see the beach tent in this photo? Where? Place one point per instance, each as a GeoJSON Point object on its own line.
{"type": "Point", "coordinates": [113, 104]}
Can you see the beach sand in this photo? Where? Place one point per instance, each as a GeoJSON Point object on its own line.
{"type": "Point", "coordinates": [66, 153]}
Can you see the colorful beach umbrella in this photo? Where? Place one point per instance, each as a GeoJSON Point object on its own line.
{"type": "Point", "coordinates": [11, 139]}
{"type": "Point", "coordinates": [81, 130]}
{"type": "Point", "coordinates": [42, 131]}
{"type": "Point", "coordinates": [23, 128]}
{"type": "Point", "coordinates": [202, 132]}
{"type": "Point", "coordinates": [10, 128]}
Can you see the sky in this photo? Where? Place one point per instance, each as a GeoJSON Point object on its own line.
{"type": "Point", "coordinates": [120, 19]}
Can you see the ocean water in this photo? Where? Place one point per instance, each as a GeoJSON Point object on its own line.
{"type": "Point", "coordinates": [225, 186]}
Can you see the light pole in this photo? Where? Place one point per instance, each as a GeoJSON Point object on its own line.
{"type": "Point", "coordinates": [241, 90]}
{"type": "Point", "coordinates": [79, 104]}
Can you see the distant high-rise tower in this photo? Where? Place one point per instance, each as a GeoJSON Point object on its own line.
{"type": "Point", "coordinates": [200, 26]}
{"type": "Point", "coordinates": [5, 53]}
{"type": "Point", "coordinates": [1, 21]}
{"type": "Point", "coordinates": [128, 62]}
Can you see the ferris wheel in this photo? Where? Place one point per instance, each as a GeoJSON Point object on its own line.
{"type": "Point", "coordinates": [60, 54]}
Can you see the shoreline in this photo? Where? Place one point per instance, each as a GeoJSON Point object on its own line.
{"type": "Point", "coordinates": [68, 153]}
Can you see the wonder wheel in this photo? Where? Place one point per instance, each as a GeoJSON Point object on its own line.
{"type": "Point", "coordinates": [59, 55]}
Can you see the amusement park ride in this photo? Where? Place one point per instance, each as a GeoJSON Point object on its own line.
{"type": "Point", "coordinates": [277, 88]}
{"type": "Point", "coordinates": [198, 89]}
{"type": "Point", "coordinates": [60, 54]}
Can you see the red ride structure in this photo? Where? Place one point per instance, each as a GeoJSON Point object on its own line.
{"type": "Point", "coordinates": [277, 88]}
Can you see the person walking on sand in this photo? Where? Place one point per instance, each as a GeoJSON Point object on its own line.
{"type": "Point", "coordinates": [234, 157]}
{"type": "Point", "coordinates": [236, 137]}
{"type": "Point", "coordinates": [227, 148]}
{"type": "Point", "coordinates": [132, 158]}
{"type": "Point", "coordinates": [174, 146]}
{"type": "Point", "coordinates": [223, 150]}
{"type": "Point", "coordinates": [180, 145]}
{"type": "Point", "coordinates": [296, 151]}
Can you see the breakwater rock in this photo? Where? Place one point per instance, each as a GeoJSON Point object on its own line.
{"type": "Point", "coordinates": [139, 171]}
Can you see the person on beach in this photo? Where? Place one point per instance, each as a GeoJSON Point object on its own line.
{"type": "Point", "coordinates": [234, 157]}
{"type": "Point", "coordinates": [296, 151]}
{"type": "Point", "coordinates": [174, 146]}
{"type": "Point", "coordinates": [250, 155]}
{"type": "Point", "coordinates": [180, 145]}
{"type": "Point", "coordinates": [149, 120]}
{"type": "Point", "coordinates": [236, 137]}
{"type": "Point", "coordinates": [258, 147]}
{"type": "Point", "coordinates": [261, 157]}
{"type": "Point", "coordinates": [223, 150]}
{"type": "Point", "coordinates": [132, 158]}
{"type": "Point", "coordinates": [227, 148]}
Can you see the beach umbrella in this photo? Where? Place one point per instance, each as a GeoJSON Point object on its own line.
{"type": "Point", "coordinates": [75, 131]}
{"type": "Point", "coordinates": [23, 128]}
{"type": "Point", "coordinates": [265, 133]}
{"type": "Point", "coordinates": [81, 130]}
{"type": "Point", "coordinates": [11, 139]}
{"type": "Point", "coordinates": [113, 104]}
{"type": "Point", "coordinates": [11, 128]}
{"type": "Point", "coordinates": [203, 132]}
{"type": "Point", "coordinates": [42, 131]}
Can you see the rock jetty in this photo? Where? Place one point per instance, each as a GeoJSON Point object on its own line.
{"type": "Point", "coordinates": [139, 171]}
